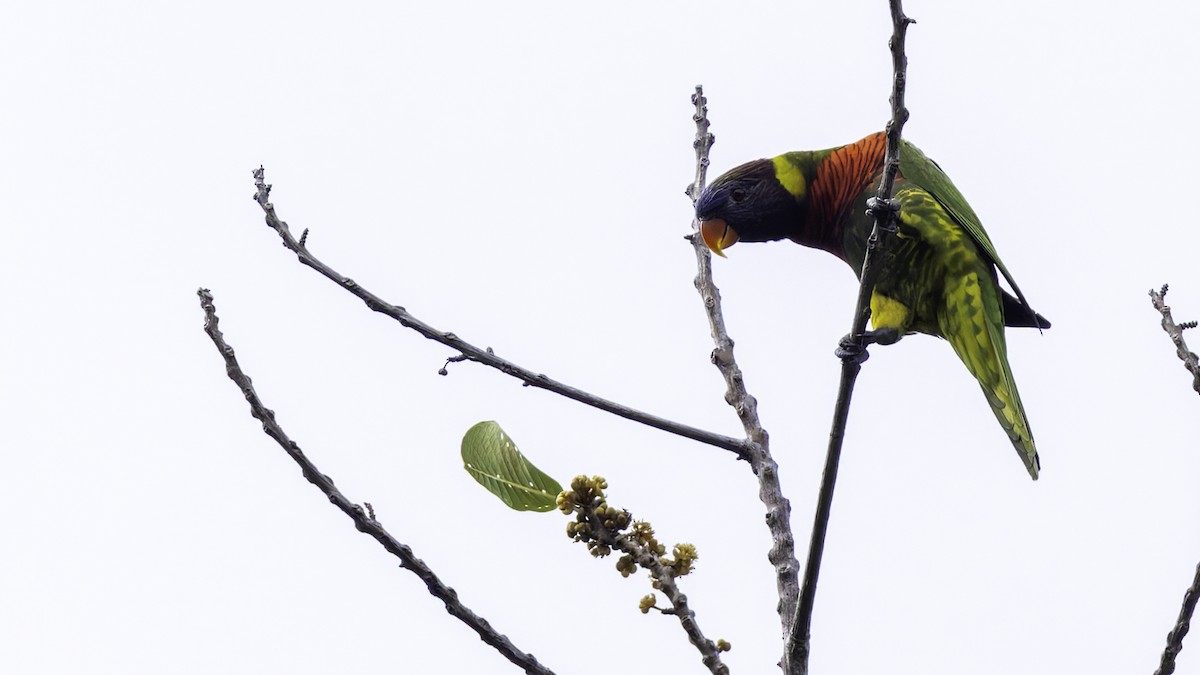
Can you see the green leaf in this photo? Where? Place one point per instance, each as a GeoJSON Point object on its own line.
{"type": "Point", "coordinates": [492, 458]}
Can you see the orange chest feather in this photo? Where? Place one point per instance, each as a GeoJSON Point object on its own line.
{"type": "Point", "coordinates": [843, 177]}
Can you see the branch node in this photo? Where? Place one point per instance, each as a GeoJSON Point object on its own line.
{"type": "Point", "coordinates": [1175, 331]}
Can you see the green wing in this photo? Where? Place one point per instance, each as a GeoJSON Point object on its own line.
{"type": "Point", "coordinates": [972, 323]}
{"type": "Point", "coordinates": [967, 298]}
{"type": "Point", "coordinates": [925, 172]}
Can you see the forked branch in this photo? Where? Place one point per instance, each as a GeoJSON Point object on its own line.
{"type": "Point", "coordinates": [470, 352]}
{"type": "Point", "coordinates": [1175, 331]}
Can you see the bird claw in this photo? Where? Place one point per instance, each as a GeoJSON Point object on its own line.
{"type": "Point", "coordinates": [851, 349]}
{"type": "Point", "coordinates": [877, 208]}
{"type": "Point", "coordinates": [881, 336]}
{"type": "Point", "coordinates": [854, 347]}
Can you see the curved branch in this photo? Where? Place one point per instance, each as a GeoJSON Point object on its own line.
{"type": "Point", "coordinates": [853, 348]}
{"type": "Point", "coordinates": [783, 549]}
{"type": "Point", "coordinates": [364, 519]}
{"type": "Point", "coordinates": [469, 351]}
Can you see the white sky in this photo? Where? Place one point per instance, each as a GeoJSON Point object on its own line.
{"type": "Point", "coordinates": [514, 172]}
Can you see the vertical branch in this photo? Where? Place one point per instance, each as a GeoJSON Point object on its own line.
{"type": "Point", "coordinates": [783, 548]}
{"type": "Point", "coordinates": [853, 347]}
{"type": "Point", "coordinates": [1192, 363]}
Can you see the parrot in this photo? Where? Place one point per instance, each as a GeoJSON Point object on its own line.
{"type": "Point", "coordinates": [938, 277]}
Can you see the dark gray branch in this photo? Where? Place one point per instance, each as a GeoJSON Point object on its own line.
{"type": "Point", "coordinates": [1182, 624]}
{"type": "Point", "coordinates": [471, 352]}
{"type": "Point", "coordinates": [853, 349]}
{"type": "Point", "coordinates": [1174, 330]}
{"type": "Point", "coordinates": [783, 549]}
{"type": "Point", "coordinates": [364, 520]}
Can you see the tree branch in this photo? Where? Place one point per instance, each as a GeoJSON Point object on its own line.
{"type": "Point", "coordinates": [364, 520]}
{"type": "Point", "coordinates": [604, 529]}
{"type": "Point", "coordinates": [470, 352]}
{"type": "Point", "coordinates": [1175, 637]}
{"type": "Point", "coordinates": [665, 578]}
{"type": "Point", "coordinates": [1190, 361]}
{"type": "Point", "coordinates": [1188, 357]}
{"type": "Point", "coordinates": [853, 349]}
{"type": "Point", "coordinates": [783, 549]}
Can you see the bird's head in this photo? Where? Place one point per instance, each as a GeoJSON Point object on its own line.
{"type": "Point", "coordinates": [761, 200]}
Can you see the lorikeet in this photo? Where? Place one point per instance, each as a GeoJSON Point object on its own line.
{"type": "Point", "coordinates": [938, 278]}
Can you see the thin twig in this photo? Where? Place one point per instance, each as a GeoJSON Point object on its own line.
{"type": "Point", "coordinates": [1175, 637]}
{"type": "Point", "coordinates": [364, 519]}
{"type": "Point", "coordinates": [604, 529]}
{"type": "Point", "coordinates": [783, 548]}
{"type": "Point", "coordinates": [1188, 357]}
{"type": "Point", "coordinates": [884, 210]}
{"type": "Point", "coordinates": [665, 578]}
{"type": "Point", "coordinates": [471, 352]}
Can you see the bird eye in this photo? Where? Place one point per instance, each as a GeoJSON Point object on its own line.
{"type": "Point", "coordinates": [738, 195]}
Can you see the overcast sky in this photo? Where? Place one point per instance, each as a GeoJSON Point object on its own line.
{"type": "Point", "coordinates": [514, 172]}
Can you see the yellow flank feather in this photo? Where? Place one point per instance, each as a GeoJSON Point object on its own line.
{"type": "Point", "coordinates": [789, 176]}
{"type": "Point", "coordinates": [889, 313]}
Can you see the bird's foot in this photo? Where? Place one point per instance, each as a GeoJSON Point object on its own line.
{"type": "Point", "coordinates": [884, 211]}
{"type": "Point", "coordinates": [854, 348]}
{"type": "Point", "coordinates": [882, 336]}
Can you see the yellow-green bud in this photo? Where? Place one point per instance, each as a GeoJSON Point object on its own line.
{"type": "Point", "coordinates": [647, 602]}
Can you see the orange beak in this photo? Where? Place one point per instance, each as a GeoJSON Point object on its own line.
{"type": "Point", "coordinates": [717, 235]}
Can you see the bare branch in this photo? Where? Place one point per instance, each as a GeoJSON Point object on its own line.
{"type": "Point", "coordinates": [469, 351]}
{"type": "Point", "coordinates": [1175, 637]}
{"type": "Point", "coordinates": [853, 348]}
{"type": "Point", "coordinates": [1188, 357]}
{"type": "Point", "coordinates": [1190, 361]}
{"type": "Point", "coordinates": [364, 519]}
{"type": "Point", "coordinates": [783, 549]}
